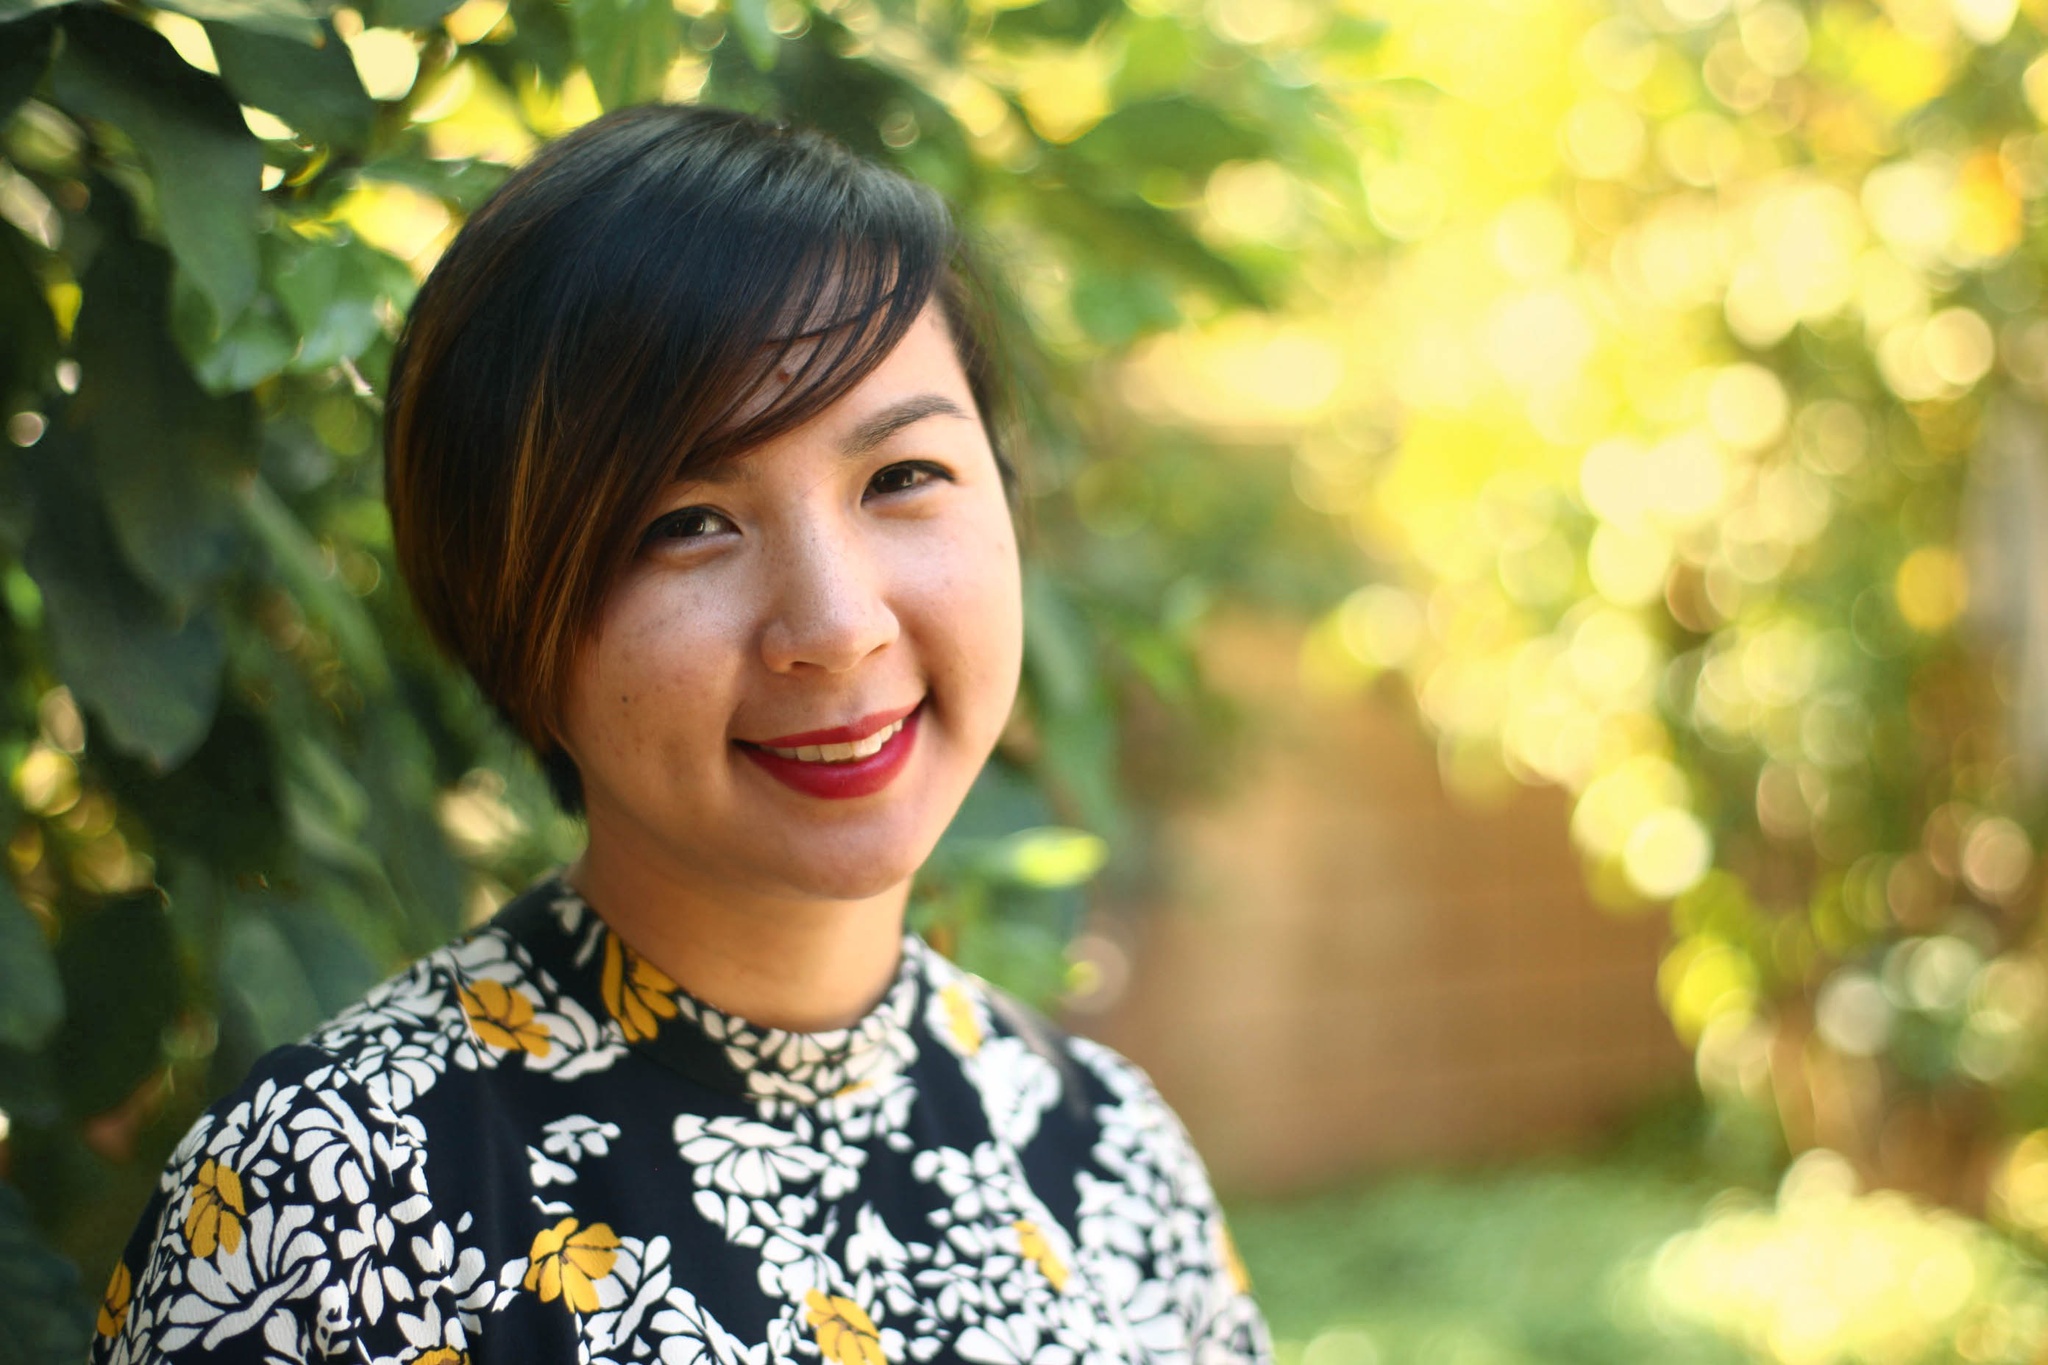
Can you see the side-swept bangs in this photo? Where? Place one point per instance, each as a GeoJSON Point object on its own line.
{"type": "Point", "coordinates": [655, 293]}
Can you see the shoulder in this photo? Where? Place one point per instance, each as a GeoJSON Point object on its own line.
{"type": "Point", "coordinates": [1139, 1128]}
{"type": "Point", "coordinates": [479, 1005]}
{"type": "Point", "coordinates": [1145, 1215]}
{"type": "Point", "coordinates": [251, 1207]}
{"type": "Point", "coordinates": [1015, 1048]}
{"type": "Point", "coordinates": [246, 1141]}
{"type": "Point", "coordinates": [299, 1204]}
{"type": "Point", "coordinates": [967, 1012]}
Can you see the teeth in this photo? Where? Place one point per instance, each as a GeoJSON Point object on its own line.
{"type": "Point", "coordinates": [840, 753]}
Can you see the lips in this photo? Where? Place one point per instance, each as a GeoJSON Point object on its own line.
{"type": "Point", "coordinates": [839, 734]}
{"type": "Point", "coordinates": [845, 780]}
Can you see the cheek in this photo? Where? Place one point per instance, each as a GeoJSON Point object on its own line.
{"type": "Point", "coordinates": [1006, 614]}
{"type": "Point", "coordinates": [970, 597]}
{"type": "Point", "coordinates": [651, 651]}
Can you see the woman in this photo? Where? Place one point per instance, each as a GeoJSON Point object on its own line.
{"type": "Point", "coordinates": [689, 466]}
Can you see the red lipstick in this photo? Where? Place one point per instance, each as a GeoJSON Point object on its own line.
{"type": "Point", "coordinates": [841, 781]}
{"type": "Point", "coordinates": [840, 734]}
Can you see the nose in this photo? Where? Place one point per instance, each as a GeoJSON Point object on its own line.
{"type": "Point", "coordinates": [829, 605]}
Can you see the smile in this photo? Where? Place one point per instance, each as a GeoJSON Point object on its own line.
{"type": "Point", "coordinates": [840, 753]}
{"type": "Point", "coordinates": [841, 763]}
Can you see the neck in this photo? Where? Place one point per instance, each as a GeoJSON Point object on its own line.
{"type": "Point", "coordinates": [801, 964]}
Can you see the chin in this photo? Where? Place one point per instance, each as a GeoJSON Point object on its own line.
{"type": "Point", "coordinates": [856, 883]}
{"type": "Point", "coordinates": [861, 860]}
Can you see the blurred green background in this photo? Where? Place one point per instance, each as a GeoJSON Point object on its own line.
{"type": "Point", "coordinates": [1645, 399]}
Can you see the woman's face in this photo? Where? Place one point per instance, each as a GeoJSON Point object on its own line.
{"type": "Point", "coordinates": [857, 571]}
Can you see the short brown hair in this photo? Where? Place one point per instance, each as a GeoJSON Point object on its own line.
{"type": "Point", "coordinates": [606, 323]}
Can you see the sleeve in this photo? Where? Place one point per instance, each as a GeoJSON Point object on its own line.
{"type": "Point", "coordinates": [291, 1224]}
{"type": "Point", "coordinates": [1229, 1326]}
{"type": "Point", "coordinates": [1225, 1326]}
{"type": "Point", "coordinates": [1188, 1290]}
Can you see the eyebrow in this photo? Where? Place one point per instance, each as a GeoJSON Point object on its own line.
{"type": "Point", "coordinates": [894, 418]}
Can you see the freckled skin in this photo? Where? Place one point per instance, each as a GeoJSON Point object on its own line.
{"type": "Point", "coordinates": [811, 594]}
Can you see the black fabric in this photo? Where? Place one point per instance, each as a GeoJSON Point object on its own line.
{"type": "Point", "coordinates": [533, 1146]}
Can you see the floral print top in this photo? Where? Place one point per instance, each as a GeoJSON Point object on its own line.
{"type": "Point", "coordinates": [533, 1146]}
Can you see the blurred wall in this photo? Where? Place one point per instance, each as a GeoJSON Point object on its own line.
{"type": "Point", "coordinates": [1352, 971]}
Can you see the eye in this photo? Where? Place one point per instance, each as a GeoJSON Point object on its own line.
{"type": "Point", "coordinates": [687, 523]}
{"type": "Point", "coordinates": [901, 478]}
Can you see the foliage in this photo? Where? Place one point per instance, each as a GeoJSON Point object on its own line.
{"type": "Point", "coordinates": [1826, 1275]}
{"type": "Point", "coordinates": [1625, 1262]}
{"type": "Point", "coordinates": [1530, 1267]}
{"type": "Point", "coordinates": [1694, 418]}
{"type": "Point", "coordinates": [241, 785]}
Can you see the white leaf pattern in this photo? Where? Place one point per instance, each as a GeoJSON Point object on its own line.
{"type": "Point", "coordinates": [405, 1186]}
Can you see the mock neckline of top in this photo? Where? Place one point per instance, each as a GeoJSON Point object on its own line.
{"type": "Point", "coordinates": [570, 940]}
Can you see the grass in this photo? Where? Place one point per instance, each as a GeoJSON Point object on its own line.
{"type": "Point", "coordinates": [1525, 1266]}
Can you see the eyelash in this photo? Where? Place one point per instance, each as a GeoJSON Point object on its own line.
{"type": "Point", "coordinates": [670, 521]}
{"type": "Point", "coordinates": [919, 466]}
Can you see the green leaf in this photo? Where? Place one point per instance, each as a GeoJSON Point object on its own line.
{"type": "Point", "coordinates": [1051, 857]}
{"type": "Point", "coordinates": [314, 89]}
{"type": "Point", "coordinates": [290, 963]}
{"type": "Point", "coordinates": [1159, 57]}
{"type": "Point", "coordinates": [204, 162]}
{"type": "Point", "coordinates": [1079, 760]}
{"type": "Point", "coordinates": [1119, 231]}
{"type": "Point", "coordinates": [1057, 653]}
{"type": "Point", "coordinates": [233, 770]}
{"type": "Point", "coordinates": [31, 998]}
{"type": "Point", "coordinates": [259, 966]}
{"type": "Point", "coordinates": [411, 13]}
{"type": "Point", "coordinates": [1117, 307]}
{"type": "Point", "coordinates": [1176, 132]}
{"type": "Point", "coordinates": [627, 46]}
{"type": "Point", "coordinates": [275, 18]}
{"type": "Point", "coordinates": [24, 55]}
{"type": "Point", "coordinates": [333, 293]}
{"type": "Point", "coordinates": [326, 806]}
{"type": "Point", "coordinates": [396, 769]}
{"type": "Point", "coordinates": [322, 596]}
{"type": "Point", "coordinates": [45, 1315]}
{"type": "Point", "coordinates": [255, 346]}
{"type": "Point", "coordinates": [1058, 21]}
{"type": "Point", "coordinates": [28, 334]}
{"type": "Point", "coordinates": [542, 41]}
{"type": "Point", "coordinates": [169, 456]}
{"type": "Point", "coordinates": [338, 968]}
{"type": "Point", "coordinates": [14, 11]}
{"type": "Point", "coordinates": [1002, 801]}
{"type": "Point", "coordinates": [119, 964]}
{"type": "Point", "coordinates": [1076, 724]}
{"type": "Point", "coordinates": [1024, 958]}
{"type": "Point", "coordinates": [464, 184]}
{"type": "Point", "coordinates": [150, 677]}
{"type": "Point", "coordinates": [761, 43]}
{"type": "Point", "coordinates": [14, 510]}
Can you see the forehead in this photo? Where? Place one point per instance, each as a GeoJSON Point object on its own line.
{"type": "Point", "coordinates": [920, 382]}
{"type": "Point", "coordinates": [923, 357]}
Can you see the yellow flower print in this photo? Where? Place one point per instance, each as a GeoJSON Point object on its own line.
{"type": "Point", "coordinates": [564, 1263]}
{"type": "Point", "coordinates": [503, 1017]}
{"type": "Point", "coordinates": [960, 1017]}
{"type": "Point", "coordinates": [1240, 1278]}
{"type": "Point", "coordinates": [638, 994]}
{"type": "Point", "coordinates": [1036, 1250]}
{"type": "Point", "coordinates": [215, 1219]}
{"type": "Point", "coordinates": [442, 1355]}
{"type": "Point", "coordinates": [845, 1333]}
{"type": "Point", "coordinates": [114, 1303]}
